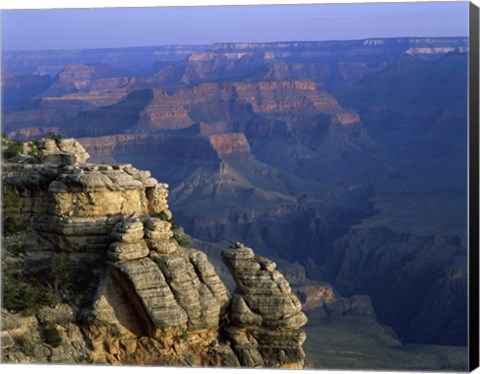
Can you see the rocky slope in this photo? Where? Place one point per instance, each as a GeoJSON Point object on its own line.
{"type": "Point", "coordinates": [131, 294]}
{"type": "Point", "coordinates": [432, 113]}
{"type": "Point", "coordinates": [429, 267]}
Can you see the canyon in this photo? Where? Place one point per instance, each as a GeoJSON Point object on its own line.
{"type": "Point", "coordinates": [343, 162]}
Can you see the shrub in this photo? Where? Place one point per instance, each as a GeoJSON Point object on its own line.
{"type": "Point", "coordinates": [26, 294]}
{"type": "Point", "coordinates": [24, 345]}
{"type": "Point", "coordinates": [161, 263]}
{"type": "Point", "coordinates": [181, 240]}
{"type": "Point", "coordinates": [11, 148]}
{"type": "Point", "coordinates": [18, 295]}
{"type": "Point", "coordinates": [52, 336]}
{"type": "Point", "coordinates": [163, 216]}
{"type": "Point", "coordinates": [35, 152]}
{"type": "Point", "coordinates": [50, 297]}
{"type": "Point", "coordinates": [59, 276]}
{"type": "Point", "coordinates": [10, 203]}
{"type": "Point", "coordinates": [175, 225]}
{"type": "Point", "coordinates": [54, 136]}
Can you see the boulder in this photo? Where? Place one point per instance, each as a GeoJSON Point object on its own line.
{"type": "Point", "coordinates": [162, 247]}
{"type": "Point", "coordinates": [127, 251]}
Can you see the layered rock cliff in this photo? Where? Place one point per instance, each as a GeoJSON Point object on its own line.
{"type": "Point", "coordinates": [123, 287]}
{"type": "Point", "coordinates": [259, 109]}
{"type": "Point", "coordinates": [105, 76]}
{"type": "Point", "coordinates": [329, 64]}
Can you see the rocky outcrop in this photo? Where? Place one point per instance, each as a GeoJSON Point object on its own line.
{"type": "Point", "coordinates": [265, 316]}
{"type": "Point", "coordinates": [140, 297]}
{"type": "Point", "coordinates": [232, 143]}
{"type": "Point", "coordinates": [129, 243]}
{"type": "Point", "coordinates": [323, 301]}
{"type": "Point", "coordinates": [314, 296]}
{"type": "Point", "coordinates": [75, 205]}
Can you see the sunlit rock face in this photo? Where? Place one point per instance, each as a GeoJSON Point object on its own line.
{"type": "Point", "coordinates": [141, 296]}
{"type": "Point", "coordinates": [265, 315]}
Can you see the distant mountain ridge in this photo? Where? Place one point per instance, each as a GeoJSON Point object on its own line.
{"type": "Point", "coordinates": [52, 61]}
{"type": "Point", "coordinates": [135, 58]}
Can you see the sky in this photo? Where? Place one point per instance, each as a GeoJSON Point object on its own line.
{"type": "Point", "coordinates": [125, 27]}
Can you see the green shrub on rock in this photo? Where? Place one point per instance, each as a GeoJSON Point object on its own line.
{"type": "Point", "coordinates": [56, 137]}
{"type": "Point", "coordinates": [11, 219]}
{"type": "Point", "coordinates": [19, 295]}
{"type": "Point", "coordinates": [24, 345]}
{"type": "Point", "coordinates": [181, 240]}
{"type": "Point", "coordinates": [161, 263]}
{"type": "Point", "coordinates": [11, 148]}
{"type": "Point", "coordinates": [35, 152]}
{"type": "Point", "coordinates": [26, 293]}
{"type": "Point", "coordinates": [52, 336]}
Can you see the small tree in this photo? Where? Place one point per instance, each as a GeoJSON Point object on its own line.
{"type": "Point", "coordinates": [54, 136]}
{"type": "Point", "coordinates": [59, 277]}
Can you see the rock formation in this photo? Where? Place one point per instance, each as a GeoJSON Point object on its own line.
{"type": "Point", "coordinates": [323, 301]}
{"type": "Point", "coordinates": [231, 143]}
{"type": "Point", "coordinates": [265, 315]}
{"type": "Point", "coordinates": [140, 296]}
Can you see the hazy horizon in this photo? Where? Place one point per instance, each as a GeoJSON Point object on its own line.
{"type": "Point", "coordinates": [60, 29]}
{"type": "Point", "coordinates": [237, 42]}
